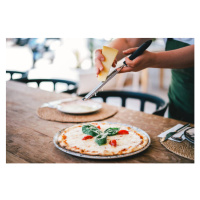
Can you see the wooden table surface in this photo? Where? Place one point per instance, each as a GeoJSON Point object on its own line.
{"type": "Point", "coordinates": [30, 139]}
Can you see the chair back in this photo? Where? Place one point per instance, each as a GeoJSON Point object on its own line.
{"type": "Point", "coordinates": [54, 81]}
{"type": "Point", "coordinates": [161, 105]}
{"type": "Point", "coordinates": [24, 75]}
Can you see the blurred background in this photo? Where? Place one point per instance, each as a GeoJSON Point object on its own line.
{"type": "Point", "coordinates": [72, 59]}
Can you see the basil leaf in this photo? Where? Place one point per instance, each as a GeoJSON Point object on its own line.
{"type": "Point", "coordinates": [111, 131]}
{"type": "Point", "coordinates": [90, 129]}
{"type": "Point", "coordinates": [101, 139]}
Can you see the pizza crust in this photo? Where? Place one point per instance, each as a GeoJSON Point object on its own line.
{"type": "Point", "coordinates": [71, 139]}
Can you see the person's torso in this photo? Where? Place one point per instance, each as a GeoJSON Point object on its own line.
{"type": "Point", "coordinates": [188, 41]}
{"type": "Point", "coordinates": [181, 91]}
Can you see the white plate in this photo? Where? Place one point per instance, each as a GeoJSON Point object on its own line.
{"type": "Point", "coordinates": [55, 140]}
{"type": "Point", "coordinates": [79, 107]}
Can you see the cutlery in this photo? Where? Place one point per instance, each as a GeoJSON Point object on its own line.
{"type": "Point", "coordinates": [135, 54]}
{"type": "Point", "coordinates": [174, 132]}
{"type": "Point", "coordinates": [179, 139]}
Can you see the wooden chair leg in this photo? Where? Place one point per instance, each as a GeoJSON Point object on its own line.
{"type": "Point", "coordinates": [121, 81]}
{"type": "Point", "coordinates": [136, 81]}
{"type": "Point", "coordinates": [161, 78]}
{"type": "Point", "coordinates": [144, 80]}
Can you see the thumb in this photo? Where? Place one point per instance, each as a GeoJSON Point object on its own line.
{"type": "Point", "coordinates": [126, 69]}
{"type": "Point", "coordinates": [129, 51]}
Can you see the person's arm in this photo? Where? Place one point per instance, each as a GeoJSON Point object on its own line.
{"type": "Point", "coordinates": [179, 58]}
{"type": "Point", "coordinates": [120, 44]}
{"type": "Point", "coordinates": [176, 59]}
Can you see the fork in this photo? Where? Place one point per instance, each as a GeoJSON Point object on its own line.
{"type": "Point", "coordinates": [174, 132]}
{"type": "Point", "coordinates": [179, 139]}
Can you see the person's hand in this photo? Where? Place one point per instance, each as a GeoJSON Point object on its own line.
{"type": "Point", "coordinates": [98, 61]}
{"type": "Point", "coordinates": [147, 59]}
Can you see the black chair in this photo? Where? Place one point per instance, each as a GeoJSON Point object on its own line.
{"type": "Point", "coordinates": [69, 84]}
{"type": "Point", "coordinates": [24, 75]}
{"type": "Point", "coordinates": [161, 105]}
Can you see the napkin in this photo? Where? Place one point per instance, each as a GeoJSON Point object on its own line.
{"type": "Point", "coordinates": [54, 104]}
{"type": "Point", "coordinates": [163, 134]}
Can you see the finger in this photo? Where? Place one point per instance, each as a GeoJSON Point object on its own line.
{"type": "Point", "coordinates": [126, 69]}
{"type": "Point", "coordinates": [99, 55]}
{"type": "Point", "coordinates": [130, 63]}
{"type": "Point", "coordinates": [97, 71]}
{"type": "Point", "coordinates": [98, 65]}
{"type": "Point", "coordinates": [131, 50]}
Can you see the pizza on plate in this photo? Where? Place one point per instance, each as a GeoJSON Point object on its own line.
{"type": "Point", "coordinates": [101, 138]}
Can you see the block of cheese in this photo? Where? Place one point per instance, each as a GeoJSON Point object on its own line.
{"type": "Point", "coordinates": [110, 55]}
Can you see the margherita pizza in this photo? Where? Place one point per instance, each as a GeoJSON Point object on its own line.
{"type": "Point", "coordinates": [101, 138]}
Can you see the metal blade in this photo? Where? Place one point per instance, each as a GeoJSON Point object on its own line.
{"type": "Point", "coordinates": [95, 90]}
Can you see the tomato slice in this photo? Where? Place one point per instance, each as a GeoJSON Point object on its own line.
{"type": "Point", "coordinates": [99, 127]}
{"type": "Point", "coordinates": [64, 137]}
{"type": "Point", "coordinates": [87, 137]}
{"type": "Point", "coordinates": [113, 143]}
{"type": "Point", "coordinates": [123, 132]}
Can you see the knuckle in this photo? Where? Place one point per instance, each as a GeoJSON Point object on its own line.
{"type": "Point", "coordinates": [101, 57]}
{"type": "Point", "coordinates": [96, 59]}
{"type": "Point", "coordinates": [97, 52]}
{"type": "Point", "coordinates": [137, 62]}
{"type": "Point", "coordinates": [128, 62]}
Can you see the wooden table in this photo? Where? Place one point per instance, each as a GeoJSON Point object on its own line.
{"type": "Point", "coordinates": [30, 139]}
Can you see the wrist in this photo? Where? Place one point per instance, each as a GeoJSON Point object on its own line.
{"type": "Point", "coordinates": [156, 60]}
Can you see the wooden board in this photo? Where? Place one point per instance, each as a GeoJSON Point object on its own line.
{"type": "Point", "coordinates": [30, 139]}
